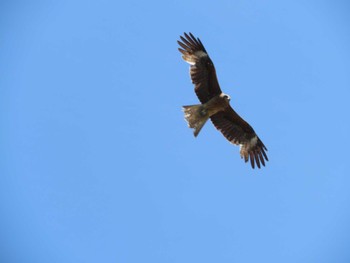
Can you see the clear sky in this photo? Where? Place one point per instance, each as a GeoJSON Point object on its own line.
{"type": "Point", "coordinates": [98, 165]}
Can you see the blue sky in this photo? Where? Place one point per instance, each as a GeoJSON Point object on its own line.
{"type": "Point", "coordinates": [98, 165]}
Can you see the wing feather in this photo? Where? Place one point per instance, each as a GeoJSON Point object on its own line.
{"type": "Point", "coordinates": [261, 158]}
{"type": "Point", "coordinates": [251, 155]}
{"type": "Point", "coordinates": [202, 69]}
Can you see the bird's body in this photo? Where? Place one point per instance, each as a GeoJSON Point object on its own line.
{"type": "Point", "coordinates": [197, 115]}
{"type": "Point", "coordinates": [215, 104]}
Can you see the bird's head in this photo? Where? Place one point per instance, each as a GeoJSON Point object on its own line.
{"type": "Point", "coordinates": [225, 96]}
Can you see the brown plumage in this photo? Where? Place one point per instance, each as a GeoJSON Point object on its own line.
{"type": "Point", "coordinates": [215, 104]}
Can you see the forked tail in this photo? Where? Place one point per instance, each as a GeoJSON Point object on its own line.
{"type": "Point", "coordinates": [196, 116]}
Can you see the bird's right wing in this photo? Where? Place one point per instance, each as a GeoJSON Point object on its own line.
{"type": "Point", "coordinates": [202, 69]}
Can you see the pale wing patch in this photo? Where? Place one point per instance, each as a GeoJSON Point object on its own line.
{"type": "Point", "coordinates": [191, 62]}
{"type": "Point", "coordinates": [192, 59]}
{"type": "Point", "coordinates": [250, 144]}
{"type": "Point", "coordinates": [246, 147]}
{"type": "Point", "coordinates": [253, 142]}
{"type": "Point", "coordinates": [235, 141]}
{"type": "Point", "coordinates": [200, 54]}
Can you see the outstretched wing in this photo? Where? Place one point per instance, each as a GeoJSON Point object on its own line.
{"type": "Point", "coordinates": [202, 69]}
{"type": "Point", "coordinates": [239, 132]}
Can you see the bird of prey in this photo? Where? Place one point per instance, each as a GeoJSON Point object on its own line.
{"type": "Point", "coordinates": [216, 105]}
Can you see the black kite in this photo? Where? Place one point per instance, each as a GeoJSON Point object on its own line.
{"type": "Point", "coordinates": [215, 104]}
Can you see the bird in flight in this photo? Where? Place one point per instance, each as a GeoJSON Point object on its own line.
{"type": "Point", "coordinates": [216, 105]}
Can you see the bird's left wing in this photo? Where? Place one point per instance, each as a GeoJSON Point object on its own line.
{"type": "Point", "coordinates": [239, 132]}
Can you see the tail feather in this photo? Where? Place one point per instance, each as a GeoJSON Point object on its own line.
{"type": "Point", "coordinates": [196, 116]}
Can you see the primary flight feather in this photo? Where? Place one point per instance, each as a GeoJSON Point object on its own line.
{"type": "Point", "coordinates": [216, 105]}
